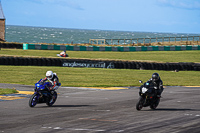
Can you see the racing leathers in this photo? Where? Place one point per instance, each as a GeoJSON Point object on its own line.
{"type": "Point", "coordinates": [54, 82]}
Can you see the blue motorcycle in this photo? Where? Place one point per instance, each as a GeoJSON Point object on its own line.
{"type": "Point", "coordinates": [42, 94]}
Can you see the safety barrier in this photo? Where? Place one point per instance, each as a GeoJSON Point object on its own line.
{"type": "Point", "coordinates": [109, 48]}
{"type": "Point", "coordinates": [64, 62]}
{"type": "Point", "coordinates": [99, 48]}
{"type": "Point", "coordinates": [11, 45]}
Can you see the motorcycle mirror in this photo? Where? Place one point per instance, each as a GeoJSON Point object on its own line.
{"type": "Point", "coordinates": [140, 81]}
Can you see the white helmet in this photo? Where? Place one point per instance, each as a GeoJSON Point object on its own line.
{"type": "Point", "coordinates": [49, 75]}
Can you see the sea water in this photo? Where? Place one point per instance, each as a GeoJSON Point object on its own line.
{"type": "Point", "coordinates": [26, 34]}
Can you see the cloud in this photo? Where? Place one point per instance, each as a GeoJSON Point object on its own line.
{"type": "Point", "coordinates": [66, 3]}
{"type": "Point", "coordinates": [184, 4]}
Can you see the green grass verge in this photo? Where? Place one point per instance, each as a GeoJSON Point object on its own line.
{"type": "Point", "coordinates": [7, 91]}
{"type": "Point", "coordinates": [93, 77]}
{"type": "Point", "coordinates": [155, 56]}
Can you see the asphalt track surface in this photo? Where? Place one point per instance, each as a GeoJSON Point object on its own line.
{"type": "Point", "coordinates": [79, 110]}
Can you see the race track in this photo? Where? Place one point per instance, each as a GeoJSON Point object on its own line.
{"type": "Point", "coordinates": [93, 110]}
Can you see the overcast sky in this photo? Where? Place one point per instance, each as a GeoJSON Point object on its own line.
{"type": "Point", "coordinates": [174, 16]}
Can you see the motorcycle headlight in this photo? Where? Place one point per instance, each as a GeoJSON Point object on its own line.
{"type": "Point", "coordinates": [38, 86]}
{"type": "Point", "coordinates": [144, 89]}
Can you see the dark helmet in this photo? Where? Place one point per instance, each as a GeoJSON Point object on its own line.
{"type": "Point", "coordinates": [155, 77]}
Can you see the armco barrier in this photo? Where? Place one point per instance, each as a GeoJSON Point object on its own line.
{"type": "Point", "coordinates": [109, 48]}
{"type": "Point", "coordinates": [64, 62]}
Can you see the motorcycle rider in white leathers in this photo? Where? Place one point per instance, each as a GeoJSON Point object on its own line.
{"type": "Point", "coordinates": [53, 79]}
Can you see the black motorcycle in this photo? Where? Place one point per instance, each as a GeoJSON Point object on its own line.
{"type": "Point", "coordinates": [148, 97]}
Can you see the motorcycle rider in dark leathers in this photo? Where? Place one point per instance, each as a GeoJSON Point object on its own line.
{"type": "Point", "coordinates": [156, 83]}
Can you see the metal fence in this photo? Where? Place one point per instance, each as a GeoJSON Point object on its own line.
{"type": "Point", "coordinates": [143, 40]}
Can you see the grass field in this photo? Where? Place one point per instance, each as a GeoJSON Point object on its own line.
{"type": "Point", "coordinates": [7, 91]}
{"type": "Point", "coordinates": [156, 56]}
{"type": "Point", "coordinates": [92, 77]}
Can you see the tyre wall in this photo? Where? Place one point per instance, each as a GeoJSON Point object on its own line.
{"type": "Point", "coordinates": [11, 45]}
{"type": "Point", "coordinates": [64, 62]}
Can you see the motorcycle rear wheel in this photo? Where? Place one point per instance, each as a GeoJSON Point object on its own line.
{"type": "Point", "coordinates": [49, 102]}
{"type": "Point", "coordinates": [139, 104]}
{"type": "Point", "coordinates": [33, 100]}
{"type": "Point", "coordinates": [155, 104]}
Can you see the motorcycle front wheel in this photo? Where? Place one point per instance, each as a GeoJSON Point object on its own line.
{"type": "Point", "coordinates": [52, 100]}
{"type": "Point", "coordinates": [140, 103]}
{"type": "Point", "coordinates": [33, 100]}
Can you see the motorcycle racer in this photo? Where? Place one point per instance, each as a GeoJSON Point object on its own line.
{"type": "Point", "coordinates": [63, 54]}
{"type": "Point", "coordinates": [53, 79]}
{"type": "Point", "coordinates": [155, 82]}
